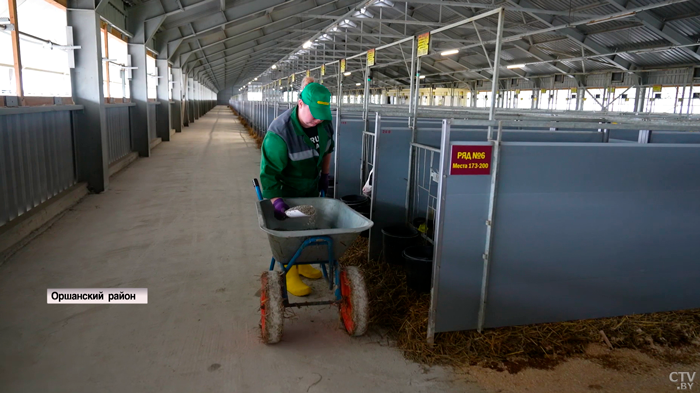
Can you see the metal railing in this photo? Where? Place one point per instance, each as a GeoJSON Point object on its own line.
{"type": "Point", "coordinates": [118, 131]}
{"type": "Point", "coordinates": [37, 160]}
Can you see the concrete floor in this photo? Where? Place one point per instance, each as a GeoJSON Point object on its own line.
{"type": "Point", "coordinates": [181, 223]}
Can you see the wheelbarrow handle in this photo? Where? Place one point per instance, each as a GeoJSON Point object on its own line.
{"type": "Point", "coordinates": [257, 189]}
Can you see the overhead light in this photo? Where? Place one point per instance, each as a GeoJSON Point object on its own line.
{"type": "Point", "coordinates": [363, 13]}
{"type": "Point", "coordinates": [383, 3]}
{"type": "Point", "coordinates": [513, 66]}
{"type": "Point", "coordinates": [306, 45]}
{"type": "Point", "coordinates": [274, 66]}
{"type": "Point", "coordinates": [450, 52]}
{"type": "Point", "coordinates": [325, 37]}
{"type": "Point", "coordinates": [347, 73]}
{"type": "Point", "coordinates": [358, 84]}
{"type": "Point", "coordinates": [421, 77]}
{"type": "Point", "coordinates": [347, 23]}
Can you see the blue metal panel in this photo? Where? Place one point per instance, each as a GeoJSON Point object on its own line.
{"type": "Point", "coordinates": [431, 137]}
{"type": "Point", "coordinates": [390, 182]}
{"type": "Point", "coordinates": [349, 150]}
{"type": "Point", "coordinates": [674, 137]}
{"type": "Point", "coordinates": [36, 160]}
{"type": "Point", "coordinates": [118, 132]}
{"type": "Point", "coordinates": [581, 231]}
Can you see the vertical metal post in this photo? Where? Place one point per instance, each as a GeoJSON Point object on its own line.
{"type": "Point", "coordinates": [496, 65]}
{"type": "Point", "coordinates": [177, 98]}
{"type": "Point", "coordinates": [90, 124]}
{"type": "Point", "coordinates": [139, 95]}
{"type": "Point", "coordinates": [365, 100]}
{"type": "Point", "coordinates": [416, 95]}
{"type": "Point", "coordinates": [412, 77]}
{"type": "Point", "coordinates": [339, 102]}
{"type": "Point", "coordinates": [489, 225]}
{"type": "Point", "coordinates": [445, 156]}
{"type": "Point", "coordinates": [690, 86]}
{"type": "Point", "coordinates": [163, 125]}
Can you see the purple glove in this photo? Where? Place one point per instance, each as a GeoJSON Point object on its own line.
{"type": "Point", "coordinates": [280, 209]}
{"type": "Point", "coordinates": [323, 183]}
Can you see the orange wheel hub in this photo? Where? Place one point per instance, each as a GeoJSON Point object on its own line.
{"type": "Point", "coordinates": [346, 305]}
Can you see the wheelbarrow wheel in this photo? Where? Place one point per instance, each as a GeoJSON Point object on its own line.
{"type": "Point", "coordinates": [354, 309]}
{"type": "Point", "coordinates": [271, 307]}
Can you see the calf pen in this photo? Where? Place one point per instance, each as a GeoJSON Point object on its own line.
{"type": "Point", "coordinates": [562, 218]}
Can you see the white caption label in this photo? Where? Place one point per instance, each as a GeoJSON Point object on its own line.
{"type": "Point", "coordinates": [97, 296]}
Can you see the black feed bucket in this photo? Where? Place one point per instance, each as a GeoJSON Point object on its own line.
{"type": "Point", "coordinates": [396, 239]}
{"type": "Point", "coordinates": [419, 268]}
{"type": "Point", "coordinates": [360, 204]}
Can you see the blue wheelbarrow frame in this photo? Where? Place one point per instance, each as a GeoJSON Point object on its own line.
{"type": "Point", "coordinates": [330, 267]}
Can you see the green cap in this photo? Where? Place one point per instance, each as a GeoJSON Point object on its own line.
{"type": "Point", "coordinates": [318, 98]}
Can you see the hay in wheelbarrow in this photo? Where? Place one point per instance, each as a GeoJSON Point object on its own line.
{"type": "Point", "coordinates": [401, 316]}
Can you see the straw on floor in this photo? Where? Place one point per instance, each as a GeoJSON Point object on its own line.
{"type": "Point", "coordinates": [402, 316]}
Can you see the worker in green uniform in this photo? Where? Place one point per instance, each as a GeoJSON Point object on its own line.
{"type": "Point", "coordinates": [296, 160]}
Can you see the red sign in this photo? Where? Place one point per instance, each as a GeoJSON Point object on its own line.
{"type": "Point", "coordinates": [471, 160]}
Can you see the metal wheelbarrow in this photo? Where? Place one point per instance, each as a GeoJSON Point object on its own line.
{"type": "Point", "coordinates": [321, 240]}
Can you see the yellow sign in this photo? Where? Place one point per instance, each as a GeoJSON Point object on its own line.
{"type": "Point", "coordinates": [308, 72]}
{"type": "Point", "coordinates": [543, 90]}
{"type": "Point", "coordinates": [517, 92]}
{"type": "Point", "coordinates": [423, 44]}
{"type": "Point", "coordinates": [342, 65]}
{"type": "Point", "coordinates": [611, 89]}
{"type": "Point", "coordinates": [370, 57]}
{"type": "Point", "coordinates": [292, 78]}
{"type": "Point", "coordinates": [574, 89]}
{"type": "Point", "coordinates": [323, 69]}
{"type": "Point", "coordinates": [657, 88]}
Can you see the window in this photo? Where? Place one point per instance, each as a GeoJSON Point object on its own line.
{"type": "Point", "coordinates": [152, 72]}
{"type": "Point", "coordinates": [622, 100]}
{"type": "Point", "coordinates": [170, 83]}
{"type": "Point", "coordinates": [482, 99]}
{"type": "Point", "coordinates": [664, 104]}
{"type": "Point", "coordinates": [7, 61]}
{"type": "Point", "coordinates": [115, 55]}
{"type": "Point", "coordinates": [45, 72]}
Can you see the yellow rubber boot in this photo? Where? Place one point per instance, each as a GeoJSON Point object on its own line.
{"type": "Point", "coordinates": [294, 284]}
{"type": "Point", "coordinates": [309, 272]}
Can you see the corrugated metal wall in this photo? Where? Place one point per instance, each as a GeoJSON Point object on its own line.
{"type": "Point", "coordinates": [670, 77]}
{"type": "Point", "coordinates": [115, 13]}
{"type": "Point", "coordinates": [152, 121]}
{"type": "Point", "coordinates": [118, 132]}
{"type": "Point", "coordinates": [36, 160]}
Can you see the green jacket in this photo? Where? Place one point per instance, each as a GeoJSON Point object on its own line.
{"type": "Point", "coordinates": [290, 165]}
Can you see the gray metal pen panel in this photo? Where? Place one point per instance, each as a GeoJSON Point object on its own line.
{"type": "Point", "coordinates": [118, 132]}
{"type": "Point", "coordinates": [674, 137]}
{"type": "Point", "coordinates": [152, 121]}
{"type": "Point", "coordinates": [580, 231]}
{"type": "Point", "coordinates": [431, 136]}
{"type": "Point", "coordinates": [349, 150]}
{"type": "Point", "coordinates": [37, 160]}
{"type": "Point", "coordinates": [390, 182]}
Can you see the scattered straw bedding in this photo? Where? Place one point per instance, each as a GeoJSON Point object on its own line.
{"type": "Point", "coordinates": [402, 317]}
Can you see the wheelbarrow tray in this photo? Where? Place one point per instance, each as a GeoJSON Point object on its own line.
{"type": "Point", "coordinates": [333, 219]}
